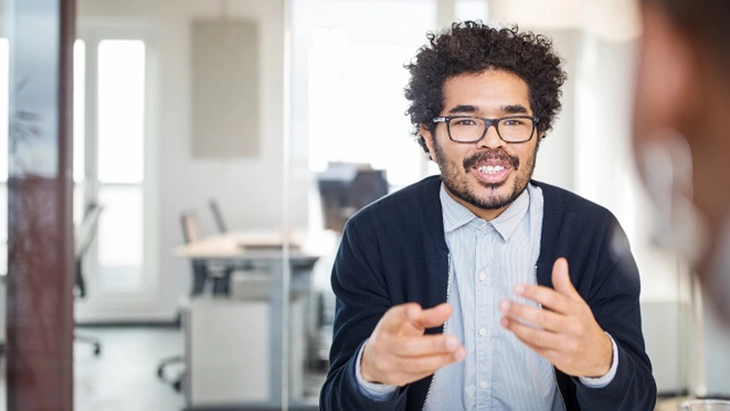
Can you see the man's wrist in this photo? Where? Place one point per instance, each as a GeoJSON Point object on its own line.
{"type": "Point", "coordinates": [372, 390]}
{"type": "Point", "coordinates": [607, 354]}
{"type": "Point", "coordinates": [363, 370]}
{"type": "Point", "coordinates": [605, 379]}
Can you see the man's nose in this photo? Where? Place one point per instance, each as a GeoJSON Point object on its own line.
{"type": "Point", "coordinates": [491, 138]}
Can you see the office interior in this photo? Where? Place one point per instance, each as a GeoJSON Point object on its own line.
{"type": "Point", "coordinates": [263, 125]}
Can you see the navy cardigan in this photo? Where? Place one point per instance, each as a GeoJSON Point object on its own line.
{"type": "Point", "coordinates": [394, 251]}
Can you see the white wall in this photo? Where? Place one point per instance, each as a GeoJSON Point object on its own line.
{"type": "Point", "coordinates": [248, 190]}
{"type": "Point", "coordinates": [713, 368]}
{"type": "Point", "coordinates": [555, 158]}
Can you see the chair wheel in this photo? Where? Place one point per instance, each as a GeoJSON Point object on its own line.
{"type": "Point", "coordinates": [177, 385]}
{"type": "Point", "coordinates": [97, 350]}
{"type": "Point", "coordinates": [160, 371]}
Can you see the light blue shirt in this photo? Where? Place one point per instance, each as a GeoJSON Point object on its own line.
{"type": "Point", "coordinates": [486, 260]}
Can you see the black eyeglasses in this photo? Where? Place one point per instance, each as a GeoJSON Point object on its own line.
{"type": "Point", "coordinates": [470, 129]}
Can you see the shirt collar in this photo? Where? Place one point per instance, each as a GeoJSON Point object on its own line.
{"type": "Point", "coordinates": [456, 215]}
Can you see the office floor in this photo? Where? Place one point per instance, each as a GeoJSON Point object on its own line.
{"type": "Point", "coordinates": [123, 377]}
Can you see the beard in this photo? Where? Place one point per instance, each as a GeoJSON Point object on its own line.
{"type": "Point", "coordinates": [486, 196]}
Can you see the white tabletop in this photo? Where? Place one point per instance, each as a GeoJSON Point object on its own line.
{"type": "Point", "coordinates": [248, 245]}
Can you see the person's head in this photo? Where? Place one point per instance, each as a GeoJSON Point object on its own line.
{"type": "Point", "coordinates": [681, 128]}
{"type": "Point", "coordinates": [475, 70]}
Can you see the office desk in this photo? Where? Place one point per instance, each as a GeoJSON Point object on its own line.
{"type": "Point", "coordinates": [261, 249]}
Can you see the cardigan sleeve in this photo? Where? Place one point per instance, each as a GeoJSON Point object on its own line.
{"type": "Point", "coordinates": [614, 301]}
{"type": "Point", "coordinates": [362, 299]}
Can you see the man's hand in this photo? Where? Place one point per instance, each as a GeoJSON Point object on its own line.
{"type": "Point", "coordinates": [398, 352]}
{"type": "Point", "coordinates": [565, 331]}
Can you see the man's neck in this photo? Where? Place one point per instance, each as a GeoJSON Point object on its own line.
{"type": "Point", "coordinates": [483, 213]}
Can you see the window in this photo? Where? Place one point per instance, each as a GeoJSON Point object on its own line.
{"type": "Point", "coordinates": [120, 162]}
{"type": "Point", "coordinates": [350, 74]}
{"type": "Point", "coordinates": [111, 75]}
{"type": "Point", "coordinates": [356, 106]}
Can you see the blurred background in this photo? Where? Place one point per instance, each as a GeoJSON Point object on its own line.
{"type": "Point", "coordinates": [218, 148]}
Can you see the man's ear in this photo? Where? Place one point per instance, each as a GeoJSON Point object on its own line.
{"type": "Point", "coordinates": [538, 139]}
{"type": "Point", "coordinates": [428, 137]}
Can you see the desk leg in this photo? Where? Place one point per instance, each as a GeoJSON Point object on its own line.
{"type": "Point", "coordinates": [278, 333]}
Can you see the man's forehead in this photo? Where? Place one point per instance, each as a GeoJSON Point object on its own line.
{"type": "Point", "coordinates": [489, 73]}
{"type": "Point", "coordinates": [493, 88]}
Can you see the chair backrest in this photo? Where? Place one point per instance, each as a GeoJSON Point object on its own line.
{"type": "Point", "coordinates": [83, 237]}
{"type": "Point", "coordinates": [190, 229]}
{"type": "Point", "coordinates": [367, 186]}
{"type": "Point", "coordinates": [189, 223]}
{"type": "Point", "coordinates": [86, 231]}
{"type": "Point", "coordinates": [222, 227]}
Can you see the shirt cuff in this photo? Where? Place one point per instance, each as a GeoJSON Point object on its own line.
{"type": "Point", "coordinates": [603, 381]}
{"type": "Point", "coordinates": [372, 390]}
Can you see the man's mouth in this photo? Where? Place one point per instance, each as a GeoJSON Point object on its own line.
{"type": "Point", "coordinates": [491, 169]}
{"type": "Point", "coordinates": [492, 172]}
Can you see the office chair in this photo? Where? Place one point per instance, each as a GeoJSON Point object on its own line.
{"type": "Point", "coordinates": [219, 275]}
{"type": "Point", "coordinates": [83, 238]}
{"type": "Point", "coordinates": [223, 228]}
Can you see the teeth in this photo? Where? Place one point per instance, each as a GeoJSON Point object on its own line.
{"type": "Point", "coordinates": [491, 169]}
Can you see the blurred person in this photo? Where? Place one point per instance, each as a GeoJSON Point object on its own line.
{"type": "Point", "coordinates": [538, 285]}
{"type": "Point", "coordinates": [682, 134]}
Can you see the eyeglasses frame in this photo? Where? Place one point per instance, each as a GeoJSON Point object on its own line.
{"type": "Point", "coordinates": [489, 122]}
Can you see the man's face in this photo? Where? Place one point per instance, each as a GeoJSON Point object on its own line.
{"type": "Point", "coordinates": [489, 175]}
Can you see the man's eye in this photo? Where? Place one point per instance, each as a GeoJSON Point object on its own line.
{"type": "Point", "coordinates": [463, 122]}
{"type": "Point", "coordinates": [514, 122]}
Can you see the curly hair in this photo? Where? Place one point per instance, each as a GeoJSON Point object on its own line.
{"type": "Point", "coordinates": [471, 47]}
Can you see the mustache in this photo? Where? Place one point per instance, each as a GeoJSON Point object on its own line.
{"type": "Point", "coordinates": [491, 154]}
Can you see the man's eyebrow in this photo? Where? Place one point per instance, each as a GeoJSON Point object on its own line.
{"type": "Point", "coordinates": [463, 108]}
{"type": "Point", "coordinates": [470, 109]}
{"type": "Point", "coordinates": [514, 109]}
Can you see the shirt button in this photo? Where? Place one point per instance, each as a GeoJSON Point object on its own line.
{"type": "Point", "coordinates": [483, 384]}
{"type": "Point", "coordinates": [483, 332]}
{"type": "Point", "coordinates": [482, 276]}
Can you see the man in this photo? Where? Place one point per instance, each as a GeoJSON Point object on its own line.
{"type": "Point", "coordinates": [452, 293]}
{"type": "Point", "coordinates": [681, 133]}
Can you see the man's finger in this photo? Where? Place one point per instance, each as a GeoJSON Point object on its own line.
{"type": "Point", "coordinates": [546, 319]}
{"type": "Point", "coordinates": [432, 317]}
{"type": "Point", "coordinates": [561, 279]}
{"type": "Point", "coordinates": [546, 297]}
{"type": "Point", "coordinates": [407, 370]}
{"type": "Point", "coordinates": [426, 345]}
{"type": "Point", "coordinates": [428, 364]}
{"type": "Point", "coordinates": [533, 336]}
{"type": "Point", "coordinates": [399, 316]}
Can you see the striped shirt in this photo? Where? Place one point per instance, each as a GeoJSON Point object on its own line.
{"type": "Point", "coordinates": [486, 260]}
